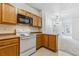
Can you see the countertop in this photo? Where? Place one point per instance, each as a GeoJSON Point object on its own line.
{"type": "Point", "coordinates": [8, 37]}
{"type": "Point", "coordinates": [36, 32]}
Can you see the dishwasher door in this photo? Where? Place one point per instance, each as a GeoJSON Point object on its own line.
{"type": "Point", "coordinates": [27, 44]}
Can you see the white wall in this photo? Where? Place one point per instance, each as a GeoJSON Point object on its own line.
{"type": "Point", "coordinates": [71, 12]}
{"type": "Point", "coordinates": [47, 23]}
{"type": "Point", "coordinates": [75, 22]}
{"type": "Point", "coordinates": [64, 18]}
{"type": "Point", "coordinates": [67, 16]}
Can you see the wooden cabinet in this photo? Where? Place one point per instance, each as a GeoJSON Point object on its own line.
{"type": "Point", "coordinates": [21, 11]}
{"type": "Point", "coordinates": [29, 14]}
{"type": "Point", "coordinates": [10, 47]}
{"type": "Point", "coordinates": [24, 12]}
{"type": "Point", "coordinates": [38, 41]}
{"type": "Point", "coordinates": [45, 40]}
{"type": "Point", "coordinates": [0, 12]}
{"type": "Point", "coordinates": [9, 50]}
{"type": "Point", "coordinates": [49, 41]}
{"type": "Point", "coordinates": [52, 42]}
{"type": "Point", "coordinates": [9, 14]}
{"type": "Point", "coordinates": [37, 21]}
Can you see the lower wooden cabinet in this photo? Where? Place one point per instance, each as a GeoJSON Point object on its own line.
{"type": "Point", "coordinates": [10, 47]}
{"type": "Point", "coordinates": [39, 41]}
{"type": "Point", "coordinates": [52, 42]}
{"type": "Point", "coordinates": [47, 41]}
{"type": "Point", "coordinates": [9, 50]}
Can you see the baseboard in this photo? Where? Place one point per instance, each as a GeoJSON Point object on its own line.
{"type": "Point", "coordinates": [48, 49]}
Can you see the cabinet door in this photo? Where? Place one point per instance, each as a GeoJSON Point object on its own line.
{"type": "Point", "coordinates": [35, 21]}
{"type": "Point", "coordinates": [45, 40]}
{"type": "Point", "coordinates": [38, 41]}
{"type": "Point", "coordinates": [39, 22]}
{"type": "Point", "coordinates": [22, 12]}
{"type": "Point", "coordinates": [9, 14]}
{"type": "Point", "coordinates": [0, 12]}
{"type": "Point", "coordinates": [9, 50]}
{"type": "Point", "coordinates": [52, 42]}
{"type": "Point", "coordinates": [28, 14]}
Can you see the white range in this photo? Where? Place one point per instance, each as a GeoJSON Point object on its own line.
{"type": "Point", "coordinates": [27, 43]}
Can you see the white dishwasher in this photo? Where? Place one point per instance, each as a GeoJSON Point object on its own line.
{"type": "Point", "coordinates": [27, 45]}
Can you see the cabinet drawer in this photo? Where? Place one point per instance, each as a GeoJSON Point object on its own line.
{"type": "Point", "coordinates": [9, 50]}
{"type": "Point", "coordinates": [8, 41]}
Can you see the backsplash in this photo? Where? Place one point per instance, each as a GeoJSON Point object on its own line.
{"type": "Point", "coordinates": [24, 27]}
{"type": "Point", "coordinates": [4, 28]}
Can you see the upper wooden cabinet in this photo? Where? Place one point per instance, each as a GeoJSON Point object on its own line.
{"type": "Point", "coordinates": [37, 21]}
{"type": "Point", "coordinates": [29, 14]}
{"type": "Point", "coordinates": [0, 12]}
{"type": "Point", "coordinates": [21, 11]}
{"type": "Point", "coordinates": [24, 12]}
{"type": "Point", "coordinates": [9, 14]}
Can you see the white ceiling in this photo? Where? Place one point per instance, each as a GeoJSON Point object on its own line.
{"type": "Point", "coordinates": [63, 8]}
{"type": "Point", "coordinates": [46, 6]}
{"type": "Point", "coordinates": [52, 7]}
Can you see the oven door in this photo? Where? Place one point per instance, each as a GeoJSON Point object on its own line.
{"type": "Point", "coordinates": [27, 44]}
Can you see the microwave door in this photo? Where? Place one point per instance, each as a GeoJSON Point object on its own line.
{"type": "Point", "coordinates": [31, 21]}
{"type": "Point", "coordinates": [24, 19]}
{"type": "Point", "coordinates": [21, 20]}
{"type": "Point", "coordinates": [27, 21]}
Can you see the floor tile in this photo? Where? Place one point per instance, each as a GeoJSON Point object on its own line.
{"type": "Point", "coordinates": [44, 52]}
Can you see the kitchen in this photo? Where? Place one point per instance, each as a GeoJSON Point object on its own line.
{"type": "Point", "coordinates": [21, 31]}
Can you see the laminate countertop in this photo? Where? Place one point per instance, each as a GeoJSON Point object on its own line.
{"type": "Point", "coordinates": [8, 37]}
{"type": "Point", "coordinates": [36, 33]}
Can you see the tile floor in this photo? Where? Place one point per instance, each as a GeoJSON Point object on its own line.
{"type": "Point", "coordinates": [44, 52]}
